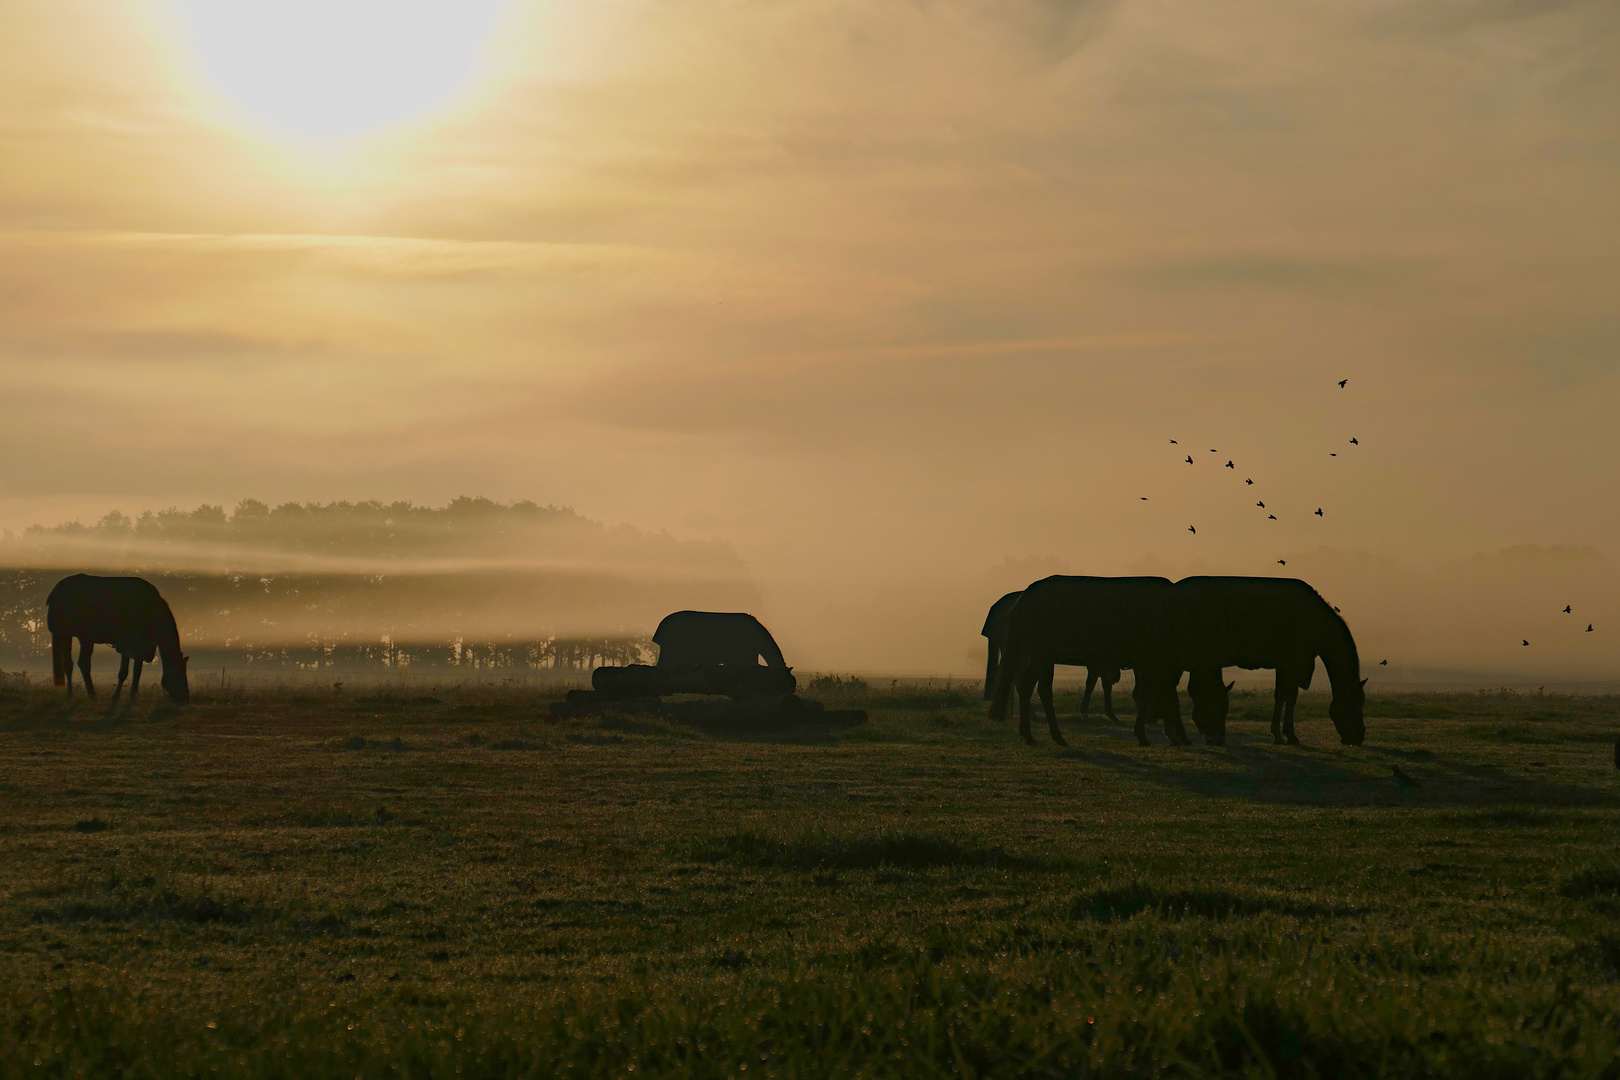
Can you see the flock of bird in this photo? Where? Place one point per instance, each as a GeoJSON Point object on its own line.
{"type": "Point", "coordinates": [1248, 481]}
{"type": "Point", "coordinates": [1318, 512]}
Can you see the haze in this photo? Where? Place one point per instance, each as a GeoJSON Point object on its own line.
{"type": "Point", "coordinates": [903, 302]}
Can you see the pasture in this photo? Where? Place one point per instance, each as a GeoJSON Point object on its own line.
{"type": "Point", "coordinates": [444, 882]}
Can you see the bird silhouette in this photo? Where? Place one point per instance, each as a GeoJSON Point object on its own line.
{"type": "Point", "coordinates": [1588, 628]}
{"type": "Point", "coordinates": [1336, 611]}
{"type": "Point", "coordinates": [1282, 562]}
{"type": "Point", "coordinates": [1333, 455]}
{"type": "Point", "coordinates": [1383, 663]}
{"type": "Point", "coordinates": [1271, 517]}
{"type": "Point", "coordinates": [1342, 382]}
{"type": "Point", "coordinates": [1353, 441]}
{"type": "Point", "coordinates": [1318, 511]}
{"type": "Point", "coordinates": [1261, 504]}
{"type": "Point", "coordinates": [1172, 442]}
{"type": "Point", "coordinates": [1144, 498]}
{"type": "Point", "coordinates": [1403, 779]}
{"type": "Point", "coordinates": [1523, 642]}
{"type": "Point", "coordinates": [1189, 459]}
{"type": "Point", "coordinates": [1248, 481]}
{"type": "Point", "coordinates": [1566, 609]}
{"type": "Point", "coordinates": [1192, 530]}
{"type": "Point", "coordinates": [1229, 465]}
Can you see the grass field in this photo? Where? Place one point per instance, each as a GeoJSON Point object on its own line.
{"type": "Point", "coordinates": [445, 883]}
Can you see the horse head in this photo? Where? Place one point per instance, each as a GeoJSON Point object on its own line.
{"type": "Point", "coordinates": [1346, 712]}
{"type": "Point", "coordinates": [174, 679]}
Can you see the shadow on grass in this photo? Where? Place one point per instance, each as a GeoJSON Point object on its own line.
{"type": "Point", "coordinates": [897, 850]}
{"type": "Point", "coordinates": [1288, 775]}
{"type": "Point", "coordinates": [1125, 901]}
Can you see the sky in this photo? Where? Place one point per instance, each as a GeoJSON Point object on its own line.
{"type": "Point", "coordinates": [904, 300]}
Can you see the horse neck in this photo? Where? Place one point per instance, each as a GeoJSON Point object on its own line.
{"type": "Point", "coordinates": [166, 636]}
{"type": "Point", "coordinates": [1339, 656]}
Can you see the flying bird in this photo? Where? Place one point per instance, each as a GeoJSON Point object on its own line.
{"type": "Point", "coordinates": [1403, 779]}
{"type": "Point", "coordinates": [1229, 465]}
{"type": "Point", "coordinates": [1342, 382]}
{"type": "Point", "coordinates": [1383, 663]}
{"type": "Point", "coordinates": [1248, 481]}
{"type": "Point", "coordinates": [1588, 628]}
{"type": "Point", "coordinates": [1566, 609]}
{"type": "Point", "coordinates": [1333, 455]}
{"type": "Point", "coordinates": [1189, 459]}
{"type": "Point", "coordinates": [1282, 562]}
{"type": "Point", "coordinates": [1144, 498]}
{"type": "Point", "coordinates": [1318, 511]}
{"type": "Point", "coordinates": [1261, 504]}
{"type": "Point", "coordinates": [1192, 530]}
{"type": "Point", "coordinates": [1172, 442]}
{"type": "Point", "coordinates": [1523, 642]}
{"type": "Point", "coordinates": [1353, 441]}
{"type": "Point", "coordinates": [1336, 611]}
{"type": "Point", "coordinates": [1271, 517]}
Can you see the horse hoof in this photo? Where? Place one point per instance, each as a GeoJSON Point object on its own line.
{"type": "Point", "coordinates": [1143, 742]}
{"type": "Point", "coordinates": [1293, 741]}
{"type": "Point", "coordinates": [1276, 740]}
{"type": "Point", "coordinates": [1215, 740]}
{"type": "Point", "coordinates": [1060, 740]}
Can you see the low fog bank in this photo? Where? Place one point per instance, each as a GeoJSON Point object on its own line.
{"type": "Point", "coordinates": [1440, 620]}
{"type": "Point", "coordinates": [372, 583]}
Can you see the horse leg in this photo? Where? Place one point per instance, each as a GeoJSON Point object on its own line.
{"type": "Point", "coordinates": [86, 647]}
{"type": "Point", "coordinates": [1051, 713]}
{"type": "Point", "coordinates": [123, 673]}
{"type": "Point", "coordinates": [1085, 698]}
{"type": "Point", "coordinates": [1174, 729]}
{"type": "Point", "coordinates": [1026, 685]}
{"type": "Point", "coordinates": [1140, 694]}
{"type": "Point", "coordinates": [1288, 716]}
{"type": "Point", "coordinates": [1108, 700]}
{"type": "Point", "coordinates": [1277, 710]}
{"type": "Point", "coordinates": [135, 683]}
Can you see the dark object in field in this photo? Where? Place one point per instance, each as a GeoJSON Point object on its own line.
{"type": "Point", "coordinates": [735, 681]}
{"type": "Point", "coordinates": [995, 631]}
{"type": "Point", "coordinates": [714, 653]}
{"type": "Point", "coordinates": [1617, 751]}
{"type": "Point", "coordinates": [124, 612]}
{"type": "Point", "coordinates": [1252, 622]}
{"type": "Point", "coordinates": [1101, 622]}
{"type": "Point", "coordinates": [1400, 775]}
{"type": "Point", "coordinates": [694, 638]}
{"type": "Point", "coordinates": [759, 714]}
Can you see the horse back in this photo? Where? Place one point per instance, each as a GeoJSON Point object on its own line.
{"type": "Point", "coordinates": [125, 612]}
{"type": "Point", "coordinates": [1248, 622]}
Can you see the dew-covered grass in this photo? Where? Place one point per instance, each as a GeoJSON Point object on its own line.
{"type": "Point", "coordinates": [445, 882]}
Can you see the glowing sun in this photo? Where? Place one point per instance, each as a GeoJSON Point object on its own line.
{"type": "Point", "coordinates": [332, 69]}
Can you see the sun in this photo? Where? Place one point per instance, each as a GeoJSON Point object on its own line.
{"type": "Point", "coordinates": [329, 70]}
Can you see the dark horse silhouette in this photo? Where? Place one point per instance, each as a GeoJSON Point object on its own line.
{"type": "Point", "coordinates": [693, 638]}
{"type": "Point", "coordinates": [124, 612]}
{"type": "Point", "coordinates": [1100, 622]}
{"type": "Point", "coordinates": [1253, 622]}
{"type": "Point", "coordinates": [995, 631]}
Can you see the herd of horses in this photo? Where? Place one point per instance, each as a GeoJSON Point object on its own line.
{"type": "Point", "coordinates": [1157, 628]}
{"type": "Point", "coordinates": [1160, 629]}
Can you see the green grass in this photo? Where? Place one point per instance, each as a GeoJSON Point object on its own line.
{"type": "Point", "coordinates": [447, 883]}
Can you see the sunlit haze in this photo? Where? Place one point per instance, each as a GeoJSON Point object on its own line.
{"type": "Point", "coordinates": [901, 303]}
{"type": "Point", "coordinates": [330, 69]}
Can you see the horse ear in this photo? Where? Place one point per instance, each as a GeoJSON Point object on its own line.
{"type": "Point", "coordinates": [1363, 682]}
{"type": "Point", "coordinates": [1230, 685]}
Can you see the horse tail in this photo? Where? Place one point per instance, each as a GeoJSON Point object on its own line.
{"type": "Point", "coordinates": [61, 657]}
{"type": "Point", "coordinates": [1014, 656]}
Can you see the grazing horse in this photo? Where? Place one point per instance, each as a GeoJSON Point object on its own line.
{"type": "Point", "coordinates": [995, 631]}
{"type": "Point", "coordinates": [124, 612]}
{"type": "Point", "coordinates": [1100, 622]}
{"type": "Point", "coordinates": [1254, 622]}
